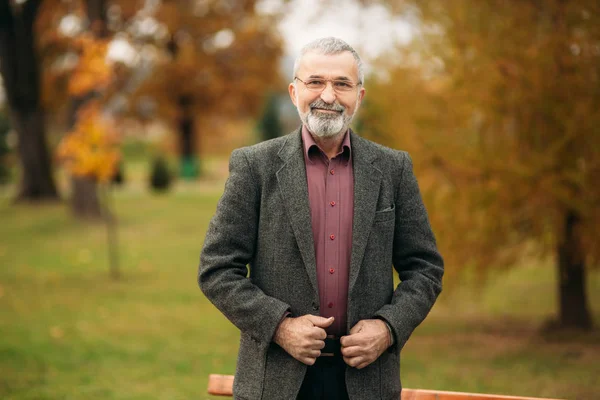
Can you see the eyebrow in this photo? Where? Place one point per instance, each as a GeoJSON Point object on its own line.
{"type": "Point", "coordinates": [339, 78]}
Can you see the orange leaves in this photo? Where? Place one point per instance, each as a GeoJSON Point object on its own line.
{"type": "Point", "coordinates": [91, 149]}
{"type": "Point", "coordinates": [92, 71]}
{"type": "Point", "coordinates": [222, 55]}
{"type": "Point", "coordinates": [500, 118]}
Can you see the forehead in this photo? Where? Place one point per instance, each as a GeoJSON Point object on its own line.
{"type": "Point", "coordinates": [328, 66]}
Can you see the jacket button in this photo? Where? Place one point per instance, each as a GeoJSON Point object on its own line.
{"type": "Point", "coordinates": [315, 306]}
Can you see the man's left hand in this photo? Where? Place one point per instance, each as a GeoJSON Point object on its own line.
{"type": "Point", "coordinates": [367, 340]}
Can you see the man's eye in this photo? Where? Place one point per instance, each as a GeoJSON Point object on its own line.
{"type": "Point", "coordinates": [342, 84]}
{"type": "Point", "coordinates": [315, 82]}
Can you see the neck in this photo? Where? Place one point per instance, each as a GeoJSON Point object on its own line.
{"type": "Point", "coordinates": [330, 145]}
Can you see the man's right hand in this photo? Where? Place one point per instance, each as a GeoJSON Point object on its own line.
{"type": "Point", "coordinates": [303, 337]}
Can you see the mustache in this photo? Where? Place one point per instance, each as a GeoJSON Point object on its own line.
{"type": "Point", "coordinates": [319, 103]}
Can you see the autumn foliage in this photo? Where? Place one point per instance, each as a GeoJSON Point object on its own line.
{"type": "Point", "coordinates": [91, 150]}
{"type": "Point", "coordinates": [92, 71]}
{"type": "Point", "coordinates": [498, 103]}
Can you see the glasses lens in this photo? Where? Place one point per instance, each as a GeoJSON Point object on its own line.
{"type": "Point", "coordinates": [316, 84]}
{"type": "Point", "coordinates": [342, 86]}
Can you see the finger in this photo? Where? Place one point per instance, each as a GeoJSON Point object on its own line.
{"type": "Point", "coordinates": [354, 361]}
{"type": "Point", "coordinates": [353, 351]}
{"type": "Point", "coordinates": [363, 364]}
{"type": "Point", "coordinates": [307, 360]}
{"type": "Point", "coordinates": [315, 345]}
{"type": "Point", "coordinates": [321, 322]}
{"type": "Point", "coordinates": [309, 343]}
{"type": "Point", "coordinates": [318, 333]}
{"type": "Point", "coordinates": [314, 353]}
{"type": "Point", "coordinates": [309, 353]}
{"type": "Point", "coordinates": [350, 340]}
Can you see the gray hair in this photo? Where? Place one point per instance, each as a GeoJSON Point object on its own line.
{"type": "Point", "coordinates": [330, 46]}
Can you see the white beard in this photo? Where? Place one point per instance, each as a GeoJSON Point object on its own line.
{"type": "Point", "coordinates": [326, 125]}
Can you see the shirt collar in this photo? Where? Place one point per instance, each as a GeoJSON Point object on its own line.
{"type": "Point", "coordinates": [312, 149]}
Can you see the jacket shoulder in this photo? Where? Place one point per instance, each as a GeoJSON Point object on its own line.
{"type": "Point", "coordinates": [264, 159]}
{"type": "Point", "coordinates": [267, 148]}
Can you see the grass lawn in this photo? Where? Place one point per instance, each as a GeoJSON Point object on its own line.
{"type": "Point", "coordinates": [67, 331]}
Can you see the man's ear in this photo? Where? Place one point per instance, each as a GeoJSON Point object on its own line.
{"type": "Point", "coordinates": [292, 91]}
{"type": "Point", "coordinates": [361, 94]}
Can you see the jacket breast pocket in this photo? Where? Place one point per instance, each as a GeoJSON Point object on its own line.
{"type": "Point", "coordinates": [385, 215]}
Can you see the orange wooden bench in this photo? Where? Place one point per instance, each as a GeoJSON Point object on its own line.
{"type": "Point", "coordinates": [222, 385]}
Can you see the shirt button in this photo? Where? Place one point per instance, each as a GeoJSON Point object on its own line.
{"type": "Point", "coordinates": [331, 270]}
{"type": "Point", "coordinates": [330, 305]}
{"type": "Point", "coordinates": [332, 203]}
{"type": "Point", "coordinates": [331, 237]}
{"type": "Point", "coordinates": [331, 171]}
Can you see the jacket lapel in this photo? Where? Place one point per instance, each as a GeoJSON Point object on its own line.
{"type": "Point", "coordinates": [367, 179]}
{"type": "Point", "coordinates": [294, 191]}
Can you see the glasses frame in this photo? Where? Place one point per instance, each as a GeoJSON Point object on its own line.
{"type": "Point", "coordinates": [354, 85]}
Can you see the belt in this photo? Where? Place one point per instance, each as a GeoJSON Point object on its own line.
{"type": "Point", "coordinates": [332, 348]}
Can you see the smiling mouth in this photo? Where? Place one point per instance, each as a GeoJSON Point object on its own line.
{"type": "Point", "coordinates": [326, 110]}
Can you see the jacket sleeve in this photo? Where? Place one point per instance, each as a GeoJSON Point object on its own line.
{"type": "Point", "coordinates": [415, 258]}
{"type": "Point", "coordinates": [228, 248]}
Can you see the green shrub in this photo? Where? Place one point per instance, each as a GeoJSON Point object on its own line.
{"type": "Point", "coordinates": [160, 178]}
{"type": "Point", "coordinates": [119, 176]}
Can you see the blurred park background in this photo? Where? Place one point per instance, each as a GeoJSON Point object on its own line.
{"type": "Point", "coordinates": [117, 118]}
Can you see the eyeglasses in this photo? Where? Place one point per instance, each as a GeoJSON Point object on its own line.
{"type": "Point", "coordinates": [319, 84]}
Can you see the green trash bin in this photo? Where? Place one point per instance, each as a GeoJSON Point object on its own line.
{"type": "Point", "coordinates": [190, 168]}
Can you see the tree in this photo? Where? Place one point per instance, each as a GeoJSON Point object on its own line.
{"type": "Point", "coordinates": [192, 61]}
{"type": "Point", "coordinates": [220, 59]}
{"type": "Point", "coordinates": [91, 155]}
{"type": "Point", "coordinates": [85, 147]}
{"type": "Point", "coordinates": [19, 66]}
{"type": "Point", "coordinates": [20, 28]}
{"type": "Point", "coordinates": [91, 150]}
{"type": "Point", "coordinates": [499, 102]}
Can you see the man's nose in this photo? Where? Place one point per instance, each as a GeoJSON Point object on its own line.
{"type": "Point", "coordinates": [328, 94]}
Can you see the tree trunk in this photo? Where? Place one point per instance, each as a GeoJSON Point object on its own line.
{"type": "Point", "coordinates": [19, 66]}
{"type": "Point", "coordinates": [96, 13]}
{"type": "Point", "coordinates": [574, 311]}
{"type": "Point", "coordinates": [84, 191]}
{"type": "Point", "coordinates": [85, 202]}
{"type": "Point", "coordinates": [84, 198]}
{"type": "Point", "coordinates": [37, 182]}
{"type": "Point", "coordinates": [189, 163]}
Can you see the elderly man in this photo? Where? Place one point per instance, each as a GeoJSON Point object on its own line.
{"type": "Point", "coordinates": [299, 254]}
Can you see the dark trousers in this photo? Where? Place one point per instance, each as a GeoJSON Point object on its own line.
{"type": "Point", "coordinates": [325, 379]}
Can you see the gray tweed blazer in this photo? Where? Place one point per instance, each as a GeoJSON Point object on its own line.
{"type": "Point", "coordinates": [263, 221]}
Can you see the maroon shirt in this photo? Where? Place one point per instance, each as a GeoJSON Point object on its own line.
{"type": "Point", "coordinates": [331, 197]}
